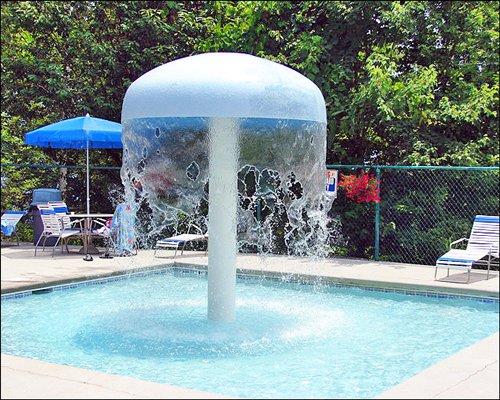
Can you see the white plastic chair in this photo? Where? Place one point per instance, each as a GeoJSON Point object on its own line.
{"type": "Point", "coordinates": [63, 213]}
{"type": "Point", "coordinates": [53, 228]}
{"type": "Point", "coordinates": [482, 247]}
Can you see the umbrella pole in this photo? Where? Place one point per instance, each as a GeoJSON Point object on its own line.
{"type": "Point", "coordinates": [87, 257]}
{"type": "Point", "coordinates": [88, 180]}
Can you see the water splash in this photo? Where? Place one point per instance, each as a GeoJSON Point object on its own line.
{"type": "Point", "coordinates": [282, 204]}
{"type": "Point", "coordinates": [169, 332]}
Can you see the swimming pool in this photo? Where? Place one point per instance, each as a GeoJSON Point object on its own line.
{"type": "Point", "coordinates": [289, 340]}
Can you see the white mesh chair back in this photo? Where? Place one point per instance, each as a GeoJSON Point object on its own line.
{"type": "Point", "coordinates": [52, 228]}
{"type": "Point", "coordinates": [485, 234]}
{"type": "Point", "coordinates": [50, 221]}
{"type": "Point", "coordinates": [61, 210]}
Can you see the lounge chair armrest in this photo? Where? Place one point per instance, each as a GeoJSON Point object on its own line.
{"type": "Point", "coordinates": [196, 228]}
{"type": "Point", "coordinates": [99, 221]}
{"type": "Point", "coordinates": [458, 241]}
{"type": "Point", "coordinates": [494, 249]}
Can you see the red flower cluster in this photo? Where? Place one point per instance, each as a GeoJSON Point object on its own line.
{"type": "Point", "coordinates": [362, 188]}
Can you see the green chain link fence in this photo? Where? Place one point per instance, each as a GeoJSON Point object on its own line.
{"type": "Point", "coordinates": [103, 182]}
{"type": "Point", "coordinates": [422, 209]}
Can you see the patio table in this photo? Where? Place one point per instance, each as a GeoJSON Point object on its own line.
{"type": "Point", "coordinates": [88, 247]}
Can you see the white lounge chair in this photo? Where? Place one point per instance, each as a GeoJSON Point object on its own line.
{"type": "Point", "coordinates": [10, 218]}
{"type": "Point", "coordinates": [53, 228]}
{"type": "Point", "coordinates": [180, 241]}
{"type": "Point", "coordinates": [482, 248]}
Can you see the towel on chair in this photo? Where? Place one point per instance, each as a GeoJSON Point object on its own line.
{"type": "Point", "coordinates": [122, 226]}
{"type": "Point", "coordinates": [8, 228]}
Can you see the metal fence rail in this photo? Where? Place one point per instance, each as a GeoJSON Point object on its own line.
{"type": "Point", "coordinates": [422, 210]}
{"type": "Point", "coordinates": [104, 181]}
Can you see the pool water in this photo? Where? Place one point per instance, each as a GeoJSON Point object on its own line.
{"type": "Point", "coordinates": [289, 340]}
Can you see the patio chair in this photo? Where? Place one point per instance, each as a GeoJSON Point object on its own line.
{"type": "Point", "coordinates": [53, 228]}
{"type": "Point", "coordinates": [119, 233]}
{"type": "Point", "coordinates": [482, 248]}
{"type": "Point", "coordinates": [64, 216]}
{"type": "Point", "coordinates": [62, 211]}
{"type": "Point", "coordinates": [10, 218]}
{"type": "Point", "coordinates": [180, 241]}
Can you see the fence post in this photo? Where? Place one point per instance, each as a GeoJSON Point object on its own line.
{"type": "Point", "coordinates": [377, 219]}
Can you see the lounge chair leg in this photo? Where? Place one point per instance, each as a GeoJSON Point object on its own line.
{"type": "Point", "coordinates": [37, 243]}
{"type": "Point", "coordinates": [468, 275]}
{"type": "Point", "coordinates": [448, 274]}
{"type": "Point", "coordinates": [435, 271]}
{"type": "Point", "coordinates": [489, 262]}
{"type": "Point", "coordinates": [55, 245]}
{"type": "Point", "coordinates": [44, 241]}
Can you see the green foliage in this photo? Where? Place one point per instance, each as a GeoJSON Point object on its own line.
{"type": "Point", "coordinates": [394, 75]}
{"type": "Point", "coordinates": [417, 57]}
{"type": "Point", "coordinates": [423, 211]}
{"type": "Point", "coordinates": [357, 227]}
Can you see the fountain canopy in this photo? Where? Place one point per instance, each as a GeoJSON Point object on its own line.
{"type": "Point", "coordinates": [224, 85]}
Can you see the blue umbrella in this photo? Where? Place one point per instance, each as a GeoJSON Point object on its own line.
{"type": "Point", "coordinates": [78, 133]}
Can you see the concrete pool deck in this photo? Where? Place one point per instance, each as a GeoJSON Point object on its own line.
{"type": "Point", "coordinates": [469, 374]}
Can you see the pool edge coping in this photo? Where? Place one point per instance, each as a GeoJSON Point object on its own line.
{"type": "Point", "coordinates": [379, 285]}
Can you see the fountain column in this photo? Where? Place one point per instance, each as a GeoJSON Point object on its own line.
{"type": "Point", "coordinates": [222, 217]}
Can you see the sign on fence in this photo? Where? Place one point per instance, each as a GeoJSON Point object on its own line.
{"type": "Point", "coordinates": [331, 182]}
